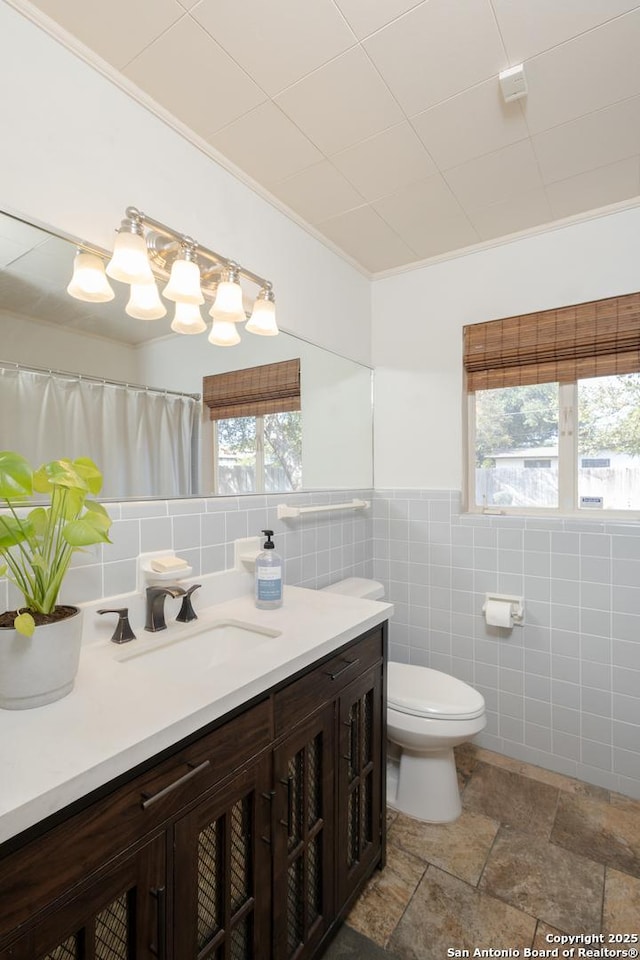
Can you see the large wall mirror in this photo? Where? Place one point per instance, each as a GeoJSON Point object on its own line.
{"type": "Point", "coordinates": [71, 370]}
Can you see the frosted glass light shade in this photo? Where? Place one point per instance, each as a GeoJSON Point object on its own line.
{"type": "Point", "coordinates": [224, 333]}
{"type": "Point", "coordinates": [130, 263]}
{"type": "Point", "coordinates": [89, 281]}
{"type": "Point", "coordinates": [263, 319]}
{"type": "Point", "coordinates": [227, 305]}
{"type": "Point", "coordinates": [145, 303]}
{"type": "Point", "coordinates": [188, 319]}
{"type": "Point", "coordinates": [184, 283]}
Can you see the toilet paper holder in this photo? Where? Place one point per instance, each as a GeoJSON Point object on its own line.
{"type": "Point", "coordinates": [516, 606]}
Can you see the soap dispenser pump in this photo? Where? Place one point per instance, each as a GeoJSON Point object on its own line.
{"type": "Point", "coordinates": [269, 571]}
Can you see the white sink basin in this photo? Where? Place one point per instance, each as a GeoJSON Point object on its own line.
{"type": "Point", "coordinates": [191, 654]}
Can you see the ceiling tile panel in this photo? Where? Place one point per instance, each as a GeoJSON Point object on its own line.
{"type": "Point", "coordinates": [278, 42]}
{"type": "Point", "coordinates": [266, 144]}
{"type": "Point", "coordinates": [530, 28]}
{"type": "Point", "coordinates": [382, 123]}
{"type": "Point", "coordinates": [191, 76]}
{"type": "Point", "coordinates": [341, 103]}
{"type": "Point", "coordinates": [590, 142]}
{"type": "Point", "coordinates": [512, 216]}
{"type": "Point", "coordinates": [100, 25]}
{"type": "Point", "coordinates": [586, 74]}
{"type": "Point", "coordinates": [365, 17]}
{"type": "Point", "coordinates": [427, 217]}
{"type": "Point", "coordinates": [368, 239]}
{"type": "Point", "coordinates": [469, 125]}
{"type": "Point", "coordinates": [437, 50]}
{"type": "Point", "coordinates": [384, 163]}
{"type": "Point", "coordinates": [319, 192]}
{"type": "Point", "coordinates": [495, 177]}
{"type": "Point", "coordinates": [597, 188]}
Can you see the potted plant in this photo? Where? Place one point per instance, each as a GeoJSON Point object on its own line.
{"type": "Point", "coordinates": [40, 641]}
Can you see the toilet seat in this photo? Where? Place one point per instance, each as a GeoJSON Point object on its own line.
{"type": "Point", "coordinates": [423, 692]}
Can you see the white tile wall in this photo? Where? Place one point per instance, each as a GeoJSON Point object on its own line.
{"type": "Point", "coordinates": [563, 691]}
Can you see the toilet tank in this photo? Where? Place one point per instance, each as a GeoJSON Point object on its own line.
{"type": "Point", "coordinates": [357, 587]}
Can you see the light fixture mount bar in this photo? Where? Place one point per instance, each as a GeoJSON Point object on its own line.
{"type": "Point", "coordinates": [160, 251]}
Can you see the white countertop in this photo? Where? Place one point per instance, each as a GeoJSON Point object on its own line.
{"type": "Point", "coordinates": [117, 717]}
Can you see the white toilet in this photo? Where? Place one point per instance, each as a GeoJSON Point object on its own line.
{"type": "Point", "coordinates": [428, 714]}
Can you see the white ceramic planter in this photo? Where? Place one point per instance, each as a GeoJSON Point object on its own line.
{"type": "Point", "coordinates": [42, 668]}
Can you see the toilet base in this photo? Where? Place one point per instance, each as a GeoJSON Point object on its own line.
{"type": "Point", "coordinates": [428, 786]}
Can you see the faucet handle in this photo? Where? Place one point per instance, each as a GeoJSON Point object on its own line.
{"type": "Point", "coordinates": [187, 613]}
{"type": "Point", "coordinates": [123, 631]}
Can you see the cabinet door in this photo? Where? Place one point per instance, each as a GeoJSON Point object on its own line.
{"type": "Point", "coordinates": [222, 873]}
{"type": "Point", "coordinates": [303, 893]}
{"type": "Point", "coordinates": [360, 773]}
{"type": "Point", "coordinates": [120, 916]}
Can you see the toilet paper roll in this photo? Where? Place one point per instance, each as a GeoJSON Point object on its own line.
{"type": "Point", "coordinates": [498, 613]}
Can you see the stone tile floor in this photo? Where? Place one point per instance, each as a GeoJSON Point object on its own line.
{"type": "Point", "coordinates": [533, 854]}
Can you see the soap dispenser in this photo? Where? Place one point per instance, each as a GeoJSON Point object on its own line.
{"type": "Point", "coordinates": [269, 571]}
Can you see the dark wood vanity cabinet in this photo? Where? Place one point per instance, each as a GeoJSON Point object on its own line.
{"type": "Point", "coordinates": [248, 842]}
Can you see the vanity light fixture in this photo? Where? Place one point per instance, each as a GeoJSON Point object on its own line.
{"type": "Point", "coordinates": [227, 305]}
{"type": "Point", "coordinates": [224, 333]}
{"type": "Point", "coordinates": [145, 303]}
{"type": "Point", "coordinates": [89, 281]}
{"type": "Point", "coordinates": [129, 262]}
{"type": "Point", "coordinates": [184, 282]}
{"type": "Point", "coordinates": [146, 249]}
{"type": "Point", "coordinates": [188, 319]}
{"type": "Point", "coordinates": [263, 316]}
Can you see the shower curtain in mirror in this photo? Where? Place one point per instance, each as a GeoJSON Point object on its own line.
{"type": "Point", "coordinates": [145, 442]}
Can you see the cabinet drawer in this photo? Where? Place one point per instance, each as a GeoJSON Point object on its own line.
{"type": "Point", "coordinates": [305, 695]}
{"type": "Point", "coordinates": [52, 864]}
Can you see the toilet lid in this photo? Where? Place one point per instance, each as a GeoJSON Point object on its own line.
{"type": "Point", "coordinates": [423, 692]}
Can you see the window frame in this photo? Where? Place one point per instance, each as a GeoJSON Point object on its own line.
{"type": "Point", "coordinates": [259, 461]}
{"type": "Point", "coordinates": [568, 468]}
{"type": "Point", "coordinates": [564, 345]}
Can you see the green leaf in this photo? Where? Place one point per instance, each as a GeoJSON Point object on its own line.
{"type": "Point", "coordinates": [57, 473]}
{"type": "Point", "coordinates": [82, 533]}
{"type": "Point", "coordinates": [15, 476]}
{"type": "Point", "coordinates": [24, 624]}
{"type": "Point", "coordinates": [12, 531]}
{"type": "Point", "coordinates": [38, 520]}
{"type": "Point", "coordinates": [87, 469]}
{"type": "Point", "coordinates": [97, 515]}
{"type": "Point", "coordinates": [3, 569]}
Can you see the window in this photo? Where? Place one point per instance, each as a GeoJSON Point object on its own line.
{"type": "Point", "coordinates": [554, 410]}
{"type": "Point", "coordinates": [258, 454]}
{"type": "Point", "coordinates": [257, 428]}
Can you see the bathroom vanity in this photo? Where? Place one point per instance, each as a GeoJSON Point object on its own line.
{"type": "Point", "coordinates": [248, 837]}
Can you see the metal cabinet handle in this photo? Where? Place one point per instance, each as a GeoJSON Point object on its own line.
{"type": "Point", "coordinates": [338, 673]}
{"type": "Point", "coordinates": [288, 823]}
{"type": "Point", "coordinates": [159, 949]}
{"type": "Point", "coordinates": [148, 800]}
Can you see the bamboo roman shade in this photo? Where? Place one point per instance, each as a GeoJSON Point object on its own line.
{"type": "Point", "coordinates": [254, 391]}
{"type": "Point", "coordinates": [595, 339]}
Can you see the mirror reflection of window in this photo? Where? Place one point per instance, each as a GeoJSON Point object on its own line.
{"type": "Point", "coordinates": [257, 428]}
{"type": "Point", "coordinates": [258, 454]}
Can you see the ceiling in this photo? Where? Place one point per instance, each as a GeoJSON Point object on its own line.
{"type": "Point", "coordinates": [380, 122]}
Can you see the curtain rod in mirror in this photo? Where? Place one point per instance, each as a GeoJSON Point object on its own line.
{"type": "Point", "coordinates": [11, 364]}
{"type": "Point", "coordinates": [145, 247]}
